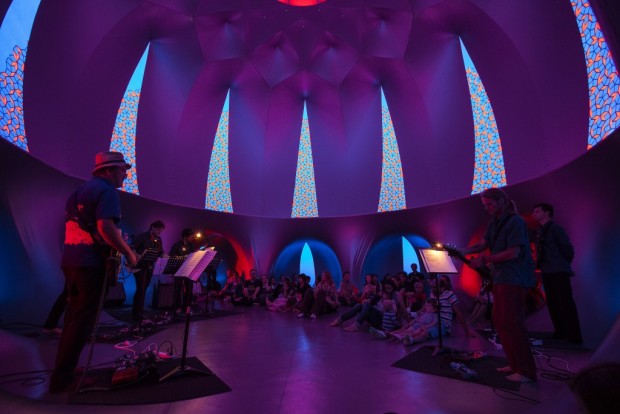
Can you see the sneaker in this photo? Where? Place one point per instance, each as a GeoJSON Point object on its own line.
{"type": "Point", "coordinates": [398, 337]}
{"type": "Point", "coordinates": [377, 333]}
{"type": "Point", "coordinates": [352, 328]}
{"type": "Point", "coordinates": [336, 322]}
{"type": "Point", "coordinates": [408, 340]}
{"type": "Point", "coordinates": [313, 316]}
{"type": "Point", "coordinates": [301, 315]}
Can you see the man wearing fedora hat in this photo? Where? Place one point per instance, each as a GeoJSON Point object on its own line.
{"type": "Point", "coordinates": [91, 217]}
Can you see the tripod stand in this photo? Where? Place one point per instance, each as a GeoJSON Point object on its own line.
{"type": "Point", "coordinates": [191, 269]}
{"type": "Point", "coordinates": [183, 368]}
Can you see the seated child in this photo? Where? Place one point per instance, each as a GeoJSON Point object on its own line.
{"type": "Point", "coordinates": [422, 327]}
{"type": "Point", "coordinates": [389, 321]}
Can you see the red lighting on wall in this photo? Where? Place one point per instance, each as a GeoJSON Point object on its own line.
{"type": "Point", "coordinates": [301, 3]}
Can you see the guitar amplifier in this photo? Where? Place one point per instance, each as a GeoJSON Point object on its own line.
{"type": "Point", "coordinates": [163, 295]}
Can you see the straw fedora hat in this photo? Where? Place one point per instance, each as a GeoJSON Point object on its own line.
{"type": "Point", "coordinates": [110, 159]}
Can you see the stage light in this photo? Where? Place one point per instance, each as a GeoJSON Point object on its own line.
{"type": "Point", "coordinates": [437, 246]}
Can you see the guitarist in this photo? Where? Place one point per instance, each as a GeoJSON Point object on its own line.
{"type": "Point", "coordinates": [150, 239]}
{"type": "Point", "coordinates": [512, 270]}
{"type": "Point", "coordinates": [91, 217]}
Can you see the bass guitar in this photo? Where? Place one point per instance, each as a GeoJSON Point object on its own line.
{"type": "Point", "coordinates": [484, 272]}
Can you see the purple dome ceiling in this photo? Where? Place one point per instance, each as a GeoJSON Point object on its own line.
{"type": "Point", "coordinates": [335, 59]}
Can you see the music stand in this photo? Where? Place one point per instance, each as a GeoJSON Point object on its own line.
{"type": "Point", "coordinates": [173, 264]}
{"type": "Point", "coordinates": [191, 269]}
{"type": "Point", "coordinates": [148, 257]}
{"type": "Point", "coordinates": [436, 262]}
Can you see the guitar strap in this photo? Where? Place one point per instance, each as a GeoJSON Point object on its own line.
{"type": "Point", "coordinates": [105, 251]}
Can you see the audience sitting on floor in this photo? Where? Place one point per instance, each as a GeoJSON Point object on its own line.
{"type": "Point", "coordinates": [369, 294]}
{"type": "Point", "coordinates": [325, 296]}
{"type": "Point", "coordinates": [347, 291]}
{"type": "Point", "coordinates": [422, 327]}
{"type": "Point", "coordinates": [263, 291]}
{"type": "Point", "coordinates": [416, 299]}
{"type": "Point", "coordinates": [389, 320]}
{"type": "Point", "coordinates": [372, 311]}
{"type": "Point", "coordinates": [283, 302]}
{"type": "Point", "coordinates": [304, 296]}
{"type": "Point", "coordinates": [387, 310]}
{"type": "Point", "coordinates": [482, 307]}
{"type": "Point", "coordinates": [230, 286]}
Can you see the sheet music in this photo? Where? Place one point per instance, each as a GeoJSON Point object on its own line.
{"type": "Point", "coordinates": [195, 264]}
{"type": "Point", "coordinates": [437, 261]}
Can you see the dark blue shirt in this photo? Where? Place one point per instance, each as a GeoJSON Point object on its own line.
{"type": "Point", "coordinates": [94, 200]}
{"type": "Point", "coordinates": [553, 249]}
{"type": "Point", "coordinates": [503, 232]}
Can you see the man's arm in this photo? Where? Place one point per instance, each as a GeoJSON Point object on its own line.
{"type": "Point", "coordinates": [510, 253]}
{"type": "Point", "coordinates": [476, 248]}
{"type": "Point", "coordinates": [112, 235]}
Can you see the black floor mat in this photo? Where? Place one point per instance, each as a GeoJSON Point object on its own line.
{"type": "Point", "coordinates": [187, 384]}
{"type": "Point", "coordinates": [484, 367]}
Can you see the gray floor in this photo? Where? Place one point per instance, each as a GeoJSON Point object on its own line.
{"type": "Point", "coordinates": [277, 363]}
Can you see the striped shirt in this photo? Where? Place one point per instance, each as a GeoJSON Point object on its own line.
{"type": "Point", "coordinates": [389, 322]}
{"type": "Point", "coordinates": [447, 299]}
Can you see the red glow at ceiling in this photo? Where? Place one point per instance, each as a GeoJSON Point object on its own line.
{"type": "Point", "coordinates": [301, 3]}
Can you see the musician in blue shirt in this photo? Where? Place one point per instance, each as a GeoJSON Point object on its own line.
{"type": "Point", "coordinates": [91, 217]}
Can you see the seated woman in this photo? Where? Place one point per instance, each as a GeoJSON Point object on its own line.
{"type": "Point", "coordinates": [369, 294]}
{"type": "Point", "coordinates": [282, 303]}
{"type": "Point", "coordinates": [228, 290]}
{"type": "Point", "coordinates": [325, 296]}
{"type": "Point", "coordinates": [482, 307]}
{"type": "Point", "coordinates": [373, 313]}
{"type": "Point", "coordinates": [304, 296]}
{"type": "Point", "coordinates": [347, 291]}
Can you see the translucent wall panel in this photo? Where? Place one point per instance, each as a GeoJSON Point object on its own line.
{"type": "Point", "coordinates": [409, 256]}
{"type": "Point", "coordinates": [392, 195]}
{"type": "Point", "coordinates": [306, 263]}
{"type": "Point", "coordinates": [14, 36]}
{"type": "Point", "coordinates": [603, 82]}
{"type": "Point", "coordinates": [304, 198]}
{"type": "Point", "coordinates": [124, 134]}
{"type": "Point", "coordinates": [489, 162]}
{"type": "Point", "coordinates": [218, 182]}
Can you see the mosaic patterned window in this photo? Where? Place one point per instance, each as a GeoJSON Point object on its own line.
{"type": "Point", "coordinates": [392, 195]}
{"type": "Point", "coordinates": [489, 161]}
{"type": "Point", "coordinates": [304, 199]}
{"type": "Point", "coordinates": [603, 82]}
{"type": "Point", "coordinates": [124, 134]}
{"type": "Point", "coordinates": [218, 182]}
{"type": "Point", "coordinates": [14, 36]}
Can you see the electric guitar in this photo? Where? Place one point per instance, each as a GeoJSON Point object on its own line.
{"type": "Point", "coordinates": [484, 272]}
